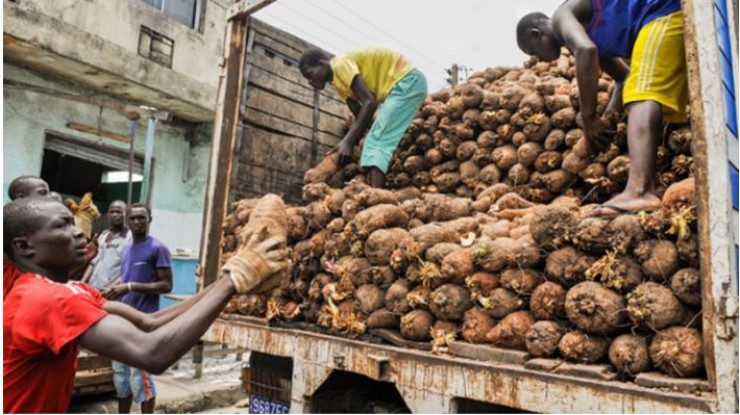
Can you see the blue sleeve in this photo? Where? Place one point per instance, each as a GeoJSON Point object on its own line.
{"type": "Point", "coordinates": [164, 258]}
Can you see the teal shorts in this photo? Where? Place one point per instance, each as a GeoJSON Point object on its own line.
{"type": "Point", "coordinates": [394, 117]}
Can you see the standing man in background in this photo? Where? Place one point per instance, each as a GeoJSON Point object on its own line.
{"type": "Point", "coordinates": [146, 272]}
{"type": "Point", "coordinates": [366, 78]}
{"type": "Point", "coordinates": [105, 268]}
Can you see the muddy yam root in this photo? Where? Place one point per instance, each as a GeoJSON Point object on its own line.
{"type": "Point", "coordinates": [629, 354]}
{"type": "Point", "coordinates": [595, 309]}
{"type": "Point", "coordinates": [678, 351]}
{"type": "Point", "coordinates": [543, 337]}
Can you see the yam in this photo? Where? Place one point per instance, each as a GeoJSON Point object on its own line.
{"type": "Point", "coordinates": [543, 337]}
{"type": "Point", "coordinates": [374, 218]}
{"type": "Point", "coordinates": [583, 348]}
{"type": "Point", "coordinates": [595, 309]}
{"type": "Point", "coordinates": [521, 281]}
{"type": "Point", "coordinates": [382, 319]}
{"type": "Point", "coordinates": [629, 354]}
{"type": "Point", "coordinates": [510, 332]}
{"type": "Point", "coordinates": [369, 297]}
{"type": "Point", "coordinates": [395, 297]}
{"type": "Point", "coordinates": [654, 307]}
{"type": "Point", "coordinates": [658, 258]}
{"type": "Point", "coordinates": [678, 351]}
{"type": "Point", "coordinates": [476, 324]}
{"type": "Point", "coordinates": [417, 325]}
{"type": "Point", "coordinates": [449, 302]}
{"type": "Point", "coordinates": [552, 226]}
{"type": "Point", "coordinates": [458, 265]}
{"type": "Point", "coordinates": [686, 285]}
{"type": "Point", "coordinates": [501, 302]}
{"type": "Point", "coordinates": [381, 243]}
{"type": "Point", "coordinates": [548, 301]}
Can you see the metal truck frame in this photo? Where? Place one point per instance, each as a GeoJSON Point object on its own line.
{"type": "Point", "coordinates": [435, 383]}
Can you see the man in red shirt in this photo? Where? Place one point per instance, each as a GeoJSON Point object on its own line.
{"type": "Point", "coordinates": [45, 316]}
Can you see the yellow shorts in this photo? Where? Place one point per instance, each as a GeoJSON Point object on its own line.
{"type": "Point", "coordinates": [658, 67]}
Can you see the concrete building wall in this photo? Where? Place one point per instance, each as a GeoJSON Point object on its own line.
{"type": "Point", "coordinates": [180, 168]}
{"type": "Point", "coordinates": [197, 50]}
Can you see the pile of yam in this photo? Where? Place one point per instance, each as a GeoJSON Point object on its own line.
{"type": "Point", "coordinates": [483, 234]}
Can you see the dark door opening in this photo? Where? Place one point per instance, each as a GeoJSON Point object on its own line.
{"type": "Point", "coordinates": [73, 167]}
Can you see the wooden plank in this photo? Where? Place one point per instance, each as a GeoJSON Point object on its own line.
{"type": "Point", "coordinates": [291, 74]}
{"type": "Point", "coordinates": [486, 352]}
{"type": "Point", "coordinates": [283, 126]}
{"type": "Point", "coordinates": [97, 131]}
{"type": "Point", "coordinates": [288, 110]}
{"type": "Point", "coordinates": [714, 203]}
{"type": "Point", "coordinates": [222, 148]}
{"type": "Point", "coordinates": [285, 39]}
{"type": "Point", "coordinates": [295, 92]}
{"type": "Point", "coordinates": [259, 179]}
{"type": "Point", "coordinates": [274, 149]}
{"type": "Point", "coordinates": [270, 43]}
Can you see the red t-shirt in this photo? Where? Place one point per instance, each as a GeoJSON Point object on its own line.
{"type": "Point", "coordinates": [41, 318]}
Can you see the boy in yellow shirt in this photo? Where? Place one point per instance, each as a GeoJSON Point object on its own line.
{"type": "Point", "coordinates": [366, 78]}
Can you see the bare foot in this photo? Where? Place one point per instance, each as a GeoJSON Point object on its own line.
{"type": "Point", "coordinates": [626, 203]}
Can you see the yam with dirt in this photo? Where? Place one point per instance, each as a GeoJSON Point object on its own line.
{"type": "Point", "coordinates": [476, 324]}
{"type": "Point", "coordinates": [548, 301]}
{"type": "Point", "coordinates": [501, 302]}
{"type": "Point", "coordinates": [658, 258]}
{"type": "Point", "coordinates": [416, 325]}
{"type": "Point", "coordinates": [382, 319]}
{"type": "Point", "coordinates": [521, 281]}
{"type": "Point", "coordinates": [620, 272]}
{"type": "Point", "coordinates": [592, 235]}
{"type": "Point", "coordinates": [458, 265]}
{"type": "Point", "coordinates": [324, 170]}
{"type": "Point", "coordinates": [543, 337]}
{"type": "Point", "coordinates": [678, 351]}
{"type": "Point", "coordinates": [552, 226]}
{"type": "Point", "coordinates": [654, 306]}
{"type": "Point", "coordinates": [686, 285]}
{"type": "Point", "coordinates": [370, 297]}
{"type": "Point", "coordinates": [511, 331]}
{"type": "Point", "coordinates": [395, 297]}
{"type": "Point", "coordinates": [449, 302]}
{"type": "Point", "coordinates": [629, 354]}
{"type": "Point", "coordinates": [595, 309]}
{"type": "Point", "coordinates": [381, 243]}
{"type": "Point", "coordinates": [581, 347]}
{"type": "Point", "coordinates": [374, 218]}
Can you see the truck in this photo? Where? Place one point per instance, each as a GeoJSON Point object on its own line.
{"type": "Point", "coordinates": [296, 369]}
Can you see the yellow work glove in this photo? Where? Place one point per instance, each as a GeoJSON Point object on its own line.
{"type": "Point", "coordinates": [85, 213]}
{"type": "Point", "coordinates": [259, 265]}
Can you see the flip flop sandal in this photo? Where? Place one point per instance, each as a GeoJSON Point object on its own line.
{"type": "Point", "coordinates": [620, 211]}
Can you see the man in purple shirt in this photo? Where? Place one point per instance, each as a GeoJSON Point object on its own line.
{"type": "Point", "coordinates": [146, 272]}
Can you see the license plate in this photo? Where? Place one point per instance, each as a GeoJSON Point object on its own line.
{"type": "Point", "coordinates": [260, 405]}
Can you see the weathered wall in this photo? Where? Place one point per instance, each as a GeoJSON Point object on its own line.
{"type": "Point", "coordinates": [177, 199]}
{"type": "Point", "coordinates": [97, 43]}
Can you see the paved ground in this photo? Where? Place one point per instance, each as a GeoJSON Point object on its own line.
{"type": "Point", "coordinates": [215, 392]}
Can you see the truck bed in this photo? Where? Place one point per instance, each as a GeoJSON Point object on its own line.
{"type": "Point", "coordinates": [429, 382]}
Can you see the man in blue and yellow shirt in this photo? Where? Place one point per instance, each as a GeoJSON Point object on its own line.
{"type": "Point", "coordinates": [600, 34]}
{"type": "Point", "coordinates": [366, 78]}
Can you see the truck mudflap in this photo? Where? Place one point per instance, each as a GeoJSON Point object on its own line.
{"type": "Point", "coordinates": [432, 383]}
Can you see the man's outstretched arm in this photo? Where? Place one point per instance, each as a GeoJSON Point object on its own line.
{"type": "Point", "coordinates": [119, 339]}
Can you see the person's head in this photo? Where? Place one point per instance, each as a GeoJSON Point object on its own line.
{"type": "Point", "coordinates": [314, 66]}
{"type": "Point", "coordinates": [117, 214]}
{"type": "Point", "coordinates": [139, 217]}
{"type": "Point", "coordinates": [40, 233]}
{"type": "Point", "coordinates": [535, 37]}
{"type": "Point", "coordinates": [25, 186]}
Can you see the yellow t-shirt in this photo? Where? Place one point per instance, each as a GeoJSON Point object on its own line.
{"type": "Point", "coordinates": [381, 68]}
